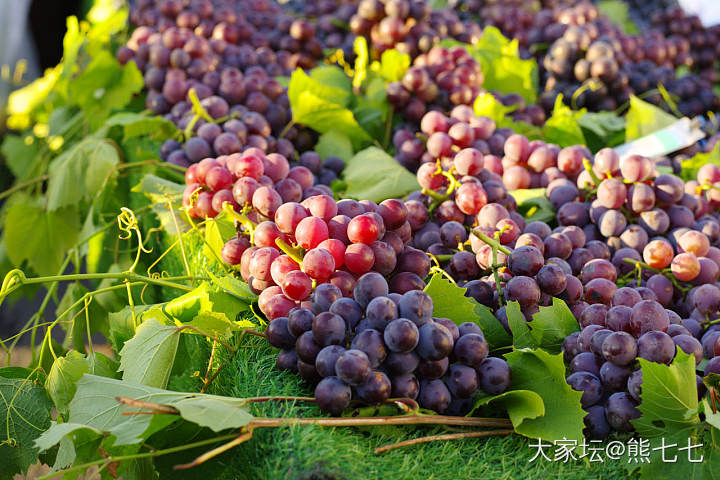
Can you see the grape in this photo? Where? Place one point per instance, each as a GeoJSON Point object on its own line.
{"type": "Point", "coordinates": [625, 296]}
{"type": "Point", "coordinates": [278, 335]}
{"type": "Point", "coordinates": [573, 290]}
{"type": "Point", "coordinates": [619, 348]}
{"type": "Point", "coordinates": [656, 346]}
{"type": "Point", "coordinates": [233, 249]}
{"type": "Point", "coordinates": [658, 254]}
{"type": "Point", "coordinates": [694, 242]}
{"type": "Point", "coordinates": [612, 223]}
{"type": "Point", "coordinates": [310, 232]}
{"type": "Point", "coordinates": [324, 296]}
{"type": "Point", "coordinates": [435, 341]}
{"type": "Point", "coordinates": [434, 395]}
{"type": "Point", "coordinates": [589, 385]}
{"type": "Point", "coordinates": [307, 348]}
{"type": "Point", "coordinates": [328, 329]}
{"type": "Point", "coordinates": [370, 341]}
{"type": "Point", "coordinates": [640, 198]}
{"type": "Point", "coordinates": [620, 410]}
{"type": "Point", "coordinates": [326, 359]}
{"type": "Point", "coordinates": [375, 389]}
{"type": "Point", "coordinates": [332, 395]}
{"type": "Point", "coordinates": [586, 362]}
{"type": "Point", "coordinates": [611, 193]}
{"type": "Point", "coordinates": [495, 376]}
{"type": "Point", "coordinates": [296, 285]}
{"type": "Point", "coordinates": [689, 345]}
{"type": "Point", "coordinates": [614, 377]}
{"type": "Point", "coordinates": [685, 267]}
{"type": "Point", "coordinates": [404, 386]}
{"type": "Point", "coordinates": [318, 263]}
{"type": "Point", "coordinates": [359, 258]}
{"type": "Point", "coordinates": [380, 312]}
{"type": "Point", "coordinates": [525, 261]}
{"type": "Point", "coordinates": [596, 424]}
{"type": "Point", "coordinates": [668, 188]}
{"type": "Point", "coordinates": [471, 349]}
{"type": "Point", "coordinates": [524, 290]}
{"type": "Point", "coordinates": [598, 268]}
{"type": "Point", "coordinates": [706, 299]}
{"type": "Point", "coordinates": [635, 168]}
{"type": "Point", "coordinates": [557, 245]}
{"type": "Point", "coordinates": [414, 261]}
{"type": "Point", "coordinates": [353, 367]}
{"type": "Point", "coordinates": [713, 366]}
{"type": "Point", "coordinates": [634, 384]}
{"type": "Point", "coordinates": [300, 321]}
{"type": "Point", "coordinates": [599, 290]}
{"type": "Point", "coordinates": [406, 281]}
{"type": "Point", "coordinates": [655, 221]}
{"type": "Point", "coordinates": [417, 306]}
{"type": "Point", "coordinates": [593, 315]}
{"type": "Point", "coordinates": [287, 360]}
{"type": "Point", "coordinates": [462, 381]}
{"type": "Point", "coordinates": [401, 363]}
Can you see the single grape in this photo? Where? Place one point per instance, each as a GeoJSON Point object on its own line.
{"type": "Point", "coordinates": [332, 395]}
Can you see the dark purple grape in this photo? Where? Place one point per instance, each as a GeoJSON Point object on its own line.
{"type": "Point", "coordinates": [462, 381]}
{"type": "Point", "coordinates": [495, 375]}
{"type": "Point", "coordinates": [353, 367]}
{"type": "Point", "coordinates": [620, 410]}
{"type": "Point", "coordinates": [326, 359]}
{"type": "Point", "coordinates": [434, 395]}
{"type": "Point", "coordinates": [371, 342]}
{"type": "Point", "coordinates": [332, 395]}
{"type": "Point", "coordinates": [589, 385]}
{"type": "Point", "coordinates": [375, 389]}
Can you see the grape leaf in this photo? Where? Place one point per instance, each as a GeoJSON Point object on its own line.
{"type": "Point", "coordinates": [57, 431]}
{"type": "Point", "coordinates": [95, 406]}
{"type": "Point", "coordinates": [691, 165]}
{"type": "Point", "coordinates": [713, 418]}
{"type": "Point", "coordinates": [618, 13]}
{"type": "Point", "coordinates": [563, 128]}
{"type": "Point", "coordinates": [218, 231]}
{"type": "Point", "coordinates": [21, 156]}
{"type": "Point", "coordinates": [552, 324]}
{"type": "Point", "coordinates": [533, 204]}
{"type": "Point", "coordinates": [65, 372]}
{"type": "Point", "coordinates": [392, 65]}
{"type": "Point", "coordinates": [544, 374]}
{"type": "Point", "coordinates": [39, 236]}
{"type": "Point", "coordinates": [487, 105]}
{"type": "Point", "coordinates": [148, 357]}
{"type": "Point", "coordinates": [669, 400]}
{"type": "Point", "coordinates": [323, 107]}
{"type": "Point", "coordinates": [521, 405]}
{"type": "Point", "coordinates": [24, 415]}
{"type": "Point", "coordinates": [103, 86]}
{"type": "Point", "coordinates": [374, 175]}
{"type": "Point", "coordinates": [137, 125]}
{"type": "Point", "coordinates": [79, 174]}
{"type": "Point", "coordinates": [76, 331]}
{"type": "Point", "coordinates": [644, 118]}
{"type": "Point", "coordinates": [331, 76]}
{"type": "Point", "coordinates": [449, 301]}
{"type": "Point", "coordinates": [204, 298]}
{"type": "Point", "coordinates": [522, 338]}
{"type": "Point", "coordinates": [335, 144]}
{"type": "Point", "coordinates": [160, 191]}
{"type": "Point", "coordinates": [233, 286]}
{"type": "Point", "coordinates": [602, 129]}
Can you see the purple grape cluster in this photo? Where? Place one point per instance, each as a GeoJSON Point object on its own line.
{"type": "Point", "coordinates": [377, 345]}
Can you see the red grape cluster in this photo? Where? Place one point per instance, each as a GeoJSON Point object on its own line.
{"type": "Point", "coordinates": [374, 345]}
{"type": "Point", "coordinates": [254, 180]}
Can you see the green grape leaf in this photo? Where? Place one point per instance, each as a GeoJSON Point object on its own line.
{"type": "Point", "coordinates": [713, 418]}
{"type": "Point", "coordinates": [544, 374]}
{"type": "Point", "coordinates": [95, 406]}
{"type": "Point", "coordinates": [487, 105]}
{"type": "Point", "coordinates": [552, 324]}
{"type": "Point", "coordinates": [563, 128]}
{"type": "Point", "coordinates": [618, 13]}
{"type": "Point", "coordinates": [120, 324]}
{"type": "Point", "coordinates": [334, 144]}
{"type": "Point", "coordinates": [502, 67]}
{"type": "Point", "coordinates": [103, 86]}
{"type": "Point", "coordinates": [139, 125]}
{"type": "Point", "coordinates": [332, 76]}
{"type": "Point", "coordinates": [39, 236]}
{"type": "Point", "coordinates": [148, 357]}
{"type": "Point", "coordinates": [700, 445]}
{"type": "Point", "coordinates": [233, 286]}
{"type": "Point", "coordinates": [218, 231]}
{"type": "Point", "coordinates": [81, 173]}
{"type": "Point", "coordinates": [53, 435]}
{"type": "Point", "coordinates": [64, 374]}
{"type": "Point", "coordinates": [449, 301]}
{"type": "Point", "coordinates": [24, 415]}
{"type": "Point", "coordinates": [522, 337]}
{"type": "Point", "coordinates": [323, 107]}
{"type": "Point", "coordinates": [204, 298]}
{"type": "Point", "coordinates": [160, 191]}
{"type": "Point", "coordinates": [521, 405]}
{"type": "Point", "coordinates": [602, 129]}
{"type": "Point", "coordinates": [533, 204]}
{"type": "Point", "coordinates": [392, 65]}
{"type": "Point", "coordinates": [211, 323]}
{"type": "Point", "coordinates": [691, 165]}
{"type": "Point", "coordinates": [644, 118]}
{"type": "Point", "coordinates": [374, 175]}
{"type": "Point", "coordinates": [21, 156]}
{"type": "Point", "coordinates": [669, 400]}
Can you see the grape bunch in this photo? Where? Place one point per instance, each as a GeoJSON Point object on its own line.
{"type": "Point", "coordinates": [410, 26]}
{"type": "Point", "coordinates": [374, 345]}
{"type": "Point", "coordinates": [255, 182]}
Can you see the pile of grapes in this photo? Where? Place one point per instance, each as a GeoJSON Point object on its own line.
{"type": "Point", "coordinates": [633, 253]}
{"type": "Point", "coordinates": [374, 345]}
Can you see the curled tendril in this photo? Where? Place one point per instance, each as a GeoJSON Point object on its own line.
{"type": "Point", "coordinates": [127, 223]}
{"type": "Point", "coordinates": [436, 269]}
{"type": "Point", "coordinates": [434, 259]}
{"type": "Point", "coordinates": [13, 280]}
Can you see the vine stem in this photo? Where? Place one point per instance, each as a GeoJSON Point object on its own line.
{"type": "Point", "coordinates": [22, 185]}
{"type": "Point", "coordinates": [491, 241]}
{"type": "Point", "coordinates": [447, 436]}
{"type": "Point", "coordinates": [156, 453]}
{"type": "Point", "coordinates": [295, 253]}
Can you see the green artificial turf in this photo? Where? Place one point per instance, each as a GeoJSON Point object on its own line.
{"type": "Point", "coordinates": [321, 453]}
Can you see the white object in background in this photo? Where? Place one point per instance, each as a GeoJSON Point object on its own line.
{"type": "Point", "coordinates": [707, 10]}
{"type": "Point", "coordinates": [16, 43]}
{"type": "Point", "coordinates": [672, 138]}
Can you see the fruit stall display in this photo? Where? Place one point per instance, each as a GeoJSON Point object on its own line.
{"type": "Point", "coordinates": [364, 239]}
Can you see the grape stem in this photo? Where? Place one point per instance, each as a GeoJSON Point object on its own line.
{"type": "Point", "coordinates": [444, 437]}
{"type": "Point", "coordinates": [296, 253]}
{"type": "Point", "coordinates": [491, 241]}
{"type": "Point", "coordinates": [588, 168]}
